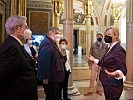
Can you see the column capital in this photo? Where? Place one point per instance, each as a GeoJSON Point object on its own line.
{"type": "Point", "coordinates": [57, 7]}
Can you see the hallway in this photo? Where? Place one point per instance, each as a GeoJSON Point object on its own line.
{"type": "Point", "coordinates": [81, 81]}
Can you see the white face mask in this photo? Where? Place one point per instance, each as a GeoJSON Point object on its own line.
{"type": "Point", "coordinates": [29, 41]}
{"type": "Point", "coordinates": [57, 38]}
{"type": "Point", "coordinates": [63, 46]}
{"type": "Point", "coordinates": [27, 33]}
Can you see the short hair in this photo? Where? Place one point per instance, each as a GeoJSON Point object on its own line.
{"type": "Point", "coordinates": [99, 33]}
{"type": "Point", "coordinates": [63, 40]}
{"type": "Point", "coordinates": [12, 22]}
{"type": "Point", "coordinates": [53, 29]}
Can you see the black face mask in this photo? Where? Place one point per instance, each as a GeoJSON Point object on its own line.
{"type": "Point", "coordinates": [108, 39]}
{"type": "Point", "coordinates": [99, 39]}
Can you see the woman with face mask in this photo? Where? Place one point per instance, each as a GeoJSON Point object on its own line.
{"type": "Point", "coordinates": [31, 49]}
{"type": "Point", "coordinates": [66, 55]}
{"type": "Point", "coordinates": [113, 65]}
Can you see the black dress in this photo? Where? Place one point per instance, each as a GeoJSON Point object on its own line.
{"type": "Point", "coordinates": [64, 84]}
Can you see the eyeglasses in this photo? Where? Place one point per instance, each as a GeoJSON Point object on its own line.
{"type": "Point", "coordinates": [25, 27]}
{"type": "Point", "coordinates": [56, 33]}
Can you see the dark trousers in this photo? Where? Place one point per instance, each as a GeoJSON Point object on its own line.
{"type": "Point", "coordinates": [64, 85]}
{"type": "Point", "coordinates": [51, 91]}
{"type": "Point", "coordinates": [112, 92]}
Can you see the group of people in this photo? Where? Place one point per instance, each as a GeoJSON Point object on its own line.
{"type": "Point", "coordinates": [17, 70]}
{"type": "Point", "coordinates": [17, 63]}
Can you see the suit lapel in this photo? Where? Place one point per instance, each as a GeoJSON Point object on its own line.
{"type": "Point", "coordinates": [109, 52]}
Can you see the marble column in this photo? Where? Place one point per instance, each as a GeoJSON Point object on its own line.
{"type": "Point", "coordinates": [129, 44]}
{"type": "Point", "coordinates": [68, 34]}
{"type": "Point", "coordinates": [88, 34]}
{"type": "Point", "coordinates": [88, 25]}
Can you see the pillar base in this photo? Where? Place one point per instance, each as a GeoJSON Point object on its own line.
{"type": "Point", "coordinates": [73, 91]}
{"type": "Point", "coordinates": [128, 85]}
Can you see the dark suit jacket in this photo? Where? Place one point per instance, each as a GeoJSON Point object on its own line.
{"type": "Point", "coordinates": [47, 62]}
{"type": "Point", "coordinates": [114, 60]}
{"type": "Point", "coordinates": [17, 77]}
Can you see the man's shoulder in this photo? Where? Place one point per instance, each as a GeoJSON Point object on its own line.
{"type": "Point", "coordinates": [10, 41]}
{"type": "Point", "coordinates": [94, 44]}
{"type": "Point", "coordinates": [45, 41]}
{"type": "Point", "coordinates": [8, 44]}
{"type": "Point", "coordinates": [45, 44]}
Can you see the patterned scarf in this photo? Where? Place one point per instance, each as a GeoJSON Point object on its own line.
{"type": "Point", "coordinates": [63, 51]}
{"type": "Point", "coordinates": [58, 57]}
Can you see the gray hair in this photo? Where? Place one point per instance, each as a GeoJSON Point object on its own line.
{"type": "Point", "coordinates": [53, 29]}
{"type": "Point", "coordinates": [12, 22]}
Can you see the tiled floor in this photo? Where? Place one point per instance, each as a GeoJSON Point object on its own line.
{"type": "Point", "coordinates": [81, 76]}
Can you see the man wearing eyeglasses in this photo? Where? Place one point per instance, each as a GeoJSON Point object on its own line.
{"type": "Point", "coordinates": [50, 64]}
{"type": "Point", "coordinates": [17, 77]}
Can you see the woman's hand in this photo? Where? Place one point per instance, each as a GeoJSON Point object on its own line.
{"type": "Point", "coordinates": [36, 56]}
{"type": "Point", "coordinates": [45, 81]}
{"type": "Point", "coordinates": [91, 58]}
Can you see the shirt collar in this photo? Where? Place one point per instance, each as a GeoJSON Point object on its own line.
{"type": "Point", "coordinates": [17, 39]}
{"type": "Point", "coordinates": [113, 44]}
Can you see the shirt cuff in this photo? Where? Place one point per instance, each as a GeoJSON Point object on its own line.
{"type": "Point", "coordinates": [121, 75]}
{"type": "Point", "coordinates": [96, 61]}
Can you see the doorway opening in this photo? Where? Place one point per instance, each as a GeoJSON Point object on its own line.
{"type": "Point", "coordinates": [75, 41]}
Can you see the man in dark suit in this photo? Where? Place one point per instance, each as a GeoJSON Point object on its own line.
{"type": "Point", "coordinates": [113, 65]}
{"type": "Point", "coordinates": [50, 64]}
{"type": "Point", "coordinates": [17, 77]}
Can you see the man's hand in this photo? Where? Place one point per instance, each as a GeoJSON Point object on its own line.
{"type": "Point", "coordinates": [91, 58]}
{"type": "Point", "coordinates": [112, 74]}
{"type": "Point", "coordinates": [45, 81]}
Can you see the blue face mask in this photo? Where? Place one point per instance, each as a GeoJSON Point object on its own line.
{"type": "Point", "coordinates": [99, 39]}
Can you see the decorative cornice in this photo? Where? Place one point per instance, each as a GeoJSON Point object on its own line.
{"type": "Point", "coordinates": [39, 4]}
{"type": "Point", "coordinates": [2, 7]}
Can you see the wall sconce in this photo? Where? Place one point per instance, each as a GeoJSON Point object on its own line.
{"type": "Point", "coordinates": [57, 7]}
{"type": "Point", "coordinates": [88, 7]}
{"type": "Point", "coordinates": [85, 8]}
{"type": "Point", "coordinates": [116, 8]}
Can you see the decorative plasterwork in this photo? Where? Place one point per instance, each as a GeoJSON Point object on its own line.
{"type": "Point", "coordinates": [39, 4]}
{"type": "Point", "coordinates": [2, 7]}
